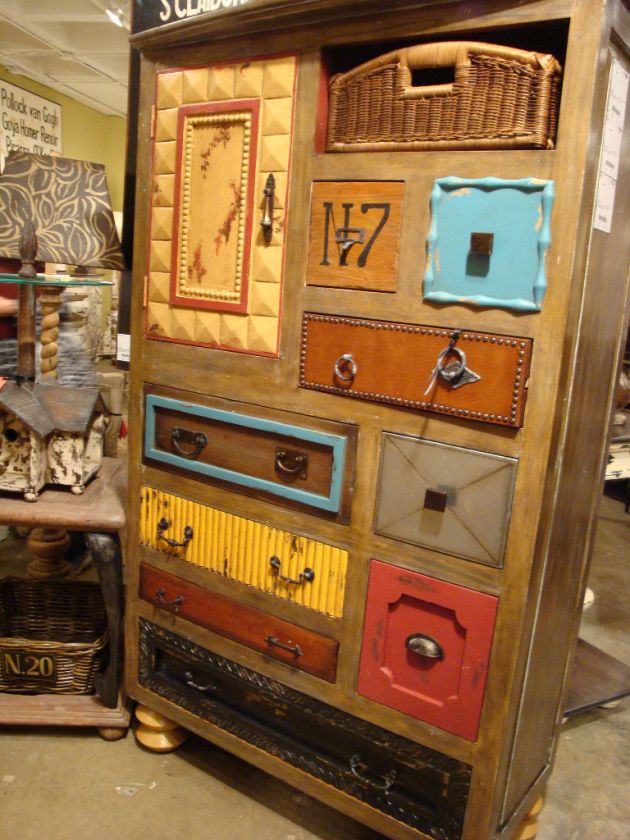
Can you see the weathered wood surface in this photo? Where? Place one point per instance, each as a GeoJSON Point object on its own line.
{"type": "Point", "coordinates": [100, 508]}
{"type": "Point", "coordinates": [61, 710]}
{"type": "Point", "coordinates": [107, 558]}
{"type": "Point", "coordinates": [573, 339]}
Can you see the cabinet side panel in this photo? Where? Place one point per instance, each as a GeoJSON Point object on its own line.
{"type": "Point", "coordinates": [580, 458]}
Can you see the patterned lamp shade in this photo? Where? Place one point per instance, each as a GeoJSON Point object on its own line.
{"type": "Point", "coordinates": [68, 203]}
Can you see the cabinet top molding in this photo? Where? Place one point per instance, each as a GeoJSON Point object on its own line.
{"type": "Point", "coordinates": [171, 22]}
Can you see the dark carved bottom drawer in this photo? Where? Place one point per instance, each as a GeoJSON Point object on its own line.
{"type": "Point", "coordinates": [406, 781]}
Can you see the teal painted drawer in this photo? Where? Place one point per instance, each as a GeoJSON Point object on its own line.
{"type": "Point", "coordinates": [276, 456]}
{"type": "Point", "coordinates": [488, 241]}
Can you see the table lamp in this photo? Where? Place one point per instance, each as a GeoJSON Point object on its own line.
{"type": "Point", "coordinates": [57, 210]}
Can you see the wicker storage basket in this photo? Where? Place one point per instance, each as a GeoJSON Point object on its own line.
{"type": "Point", "coordinates": [500, 98]}
{"type": "Point", "coordinates": [53, 635]}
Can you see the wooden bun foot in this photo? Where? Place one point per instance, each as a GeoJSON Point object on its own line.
{"type": "Point", "coordinates": [111, 733]}
{"type": "Point", "coordinates": [528, 829]}
{"type": "Point", "coordinates": [157, 733]}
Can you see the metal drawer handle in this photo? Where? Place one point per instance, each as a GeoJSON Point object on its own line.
{"type": "Point", "coordinates": [274, 641]}
{"type": "Point", "coordinates": [164, 525]}
{"type": "Point", "coordinates": [175, 604]}
{"type": "Point", "coordinates": [198, 440]}
{"type": "Point", "coordinates": [344, 237]}
{"type": "Point", "coordinates": [451, 372]}
{"type": "Point", "coordinates": [189, 677]}
{"type": "Point", "coordinates": [356, 765]}
{"type": "Point", "coordinates": [345, 368]}
{"type": "Point", "coordinates": [291, 463]}
{"type": "Point", "coordinates": [269, 198]}
{"type": "Point", "coordinates": [424, 646]}
{"type": "Point", "coordinates": [454, 373]}
{"type": "Point", "coordinates": [307, 576]}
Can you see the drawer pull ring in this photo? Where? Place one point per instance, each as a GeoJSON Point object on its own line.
{"type": "Point", "coordinates": [161, 602]}
{"type": "Point", "coordinates": [164, 525]}
{"type": "Point", "coordinates": [190, 682]}
{"type": "Point", "coordinates": [291, 463]}
{"type": "Point", "coordinates": [198, 441]}
{"type": "Point", "coordinates": [424, 646]}
{"type": "Point", "coordinates": [307, 576]}
{"type": "Point", "coordinates": [454, 373]}
{"type": "Point", "coordinates": [356, 766]}
{"type": "Point", "coordinates": [345, 368]}
{"type": "Point", "coordinates": [274, 641]}
{"type": "Point", "coordinates": [267, 219]}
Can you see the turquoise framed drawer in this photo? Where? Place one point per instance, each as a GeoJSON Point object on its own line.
{"type": "Point", "coordinates": [275, 456]}
{"type": "Point", "coordinates": [488, 241]}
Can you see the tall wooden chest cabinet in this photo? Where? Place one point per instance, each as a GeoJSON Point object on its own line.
{"type": "Point", "coordinates": [380, 279]}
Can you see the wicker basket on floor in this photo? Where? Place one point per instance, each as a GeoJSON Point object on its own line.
{"type": "Point", "coordinates": [53, 635]}
{"type": "Point", "coordinates": [500, 98]}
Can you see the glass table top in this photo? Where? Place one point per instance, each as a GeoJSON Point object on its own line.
{"type": "Point", "coordinates": [55, 280]}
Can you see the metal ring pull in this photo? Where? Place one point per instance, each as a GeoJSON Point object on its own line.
{"type": "Point", "coordinates": [190, 682]}
{"type": "Point", "coordinates": [453, 370]}
{"type": "Point", "coordinates": [307, 576]}
{"type": "Point", "coordinates": [424, 646]}
{"type": "Point", "coordinates": [291, 463]}
{"type": "Point", "coordinates": [274, 641]}
{"type": "Point", "coordinates": [454, 373]}
{"type": "Point", "coordinates": [388, 779]}
{"type": "Point", "coordinates": [198, 441]}
{"type": "Point", "coordinates": [345, 361]}
{"type": "Point", "coordinates": [164, 525]}
{"type": "Point", "coordinates": [175, 604]}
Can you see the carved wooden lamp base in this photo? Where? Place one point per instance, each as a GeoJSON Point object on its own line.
{"type": "Point", "coordinates": [49, 546]}
{"type": "Point", "coordinates": [528, 829]}
{"type": "Point", "coordinates": [157, 733]}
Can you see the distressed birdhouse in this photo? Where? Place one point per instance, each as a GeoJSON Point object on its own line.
{"type": "Point", "coordinates": [49, 434]}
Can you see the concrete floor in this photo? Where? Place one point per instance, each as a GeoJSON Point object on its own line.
{"type": "Point", "coordinates": [69, 784]}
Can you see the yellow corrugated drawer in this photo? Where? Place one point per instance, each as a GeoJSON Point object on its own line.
{"type": "Point", "coordinates": [302, 570]}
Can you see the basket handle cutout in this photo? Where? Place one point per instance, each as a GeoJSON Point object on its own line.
{"type": "Point", "coordinates": [432, 77]}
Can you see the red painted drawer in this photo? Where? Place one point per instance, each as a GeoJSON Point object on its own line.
{"type": "Point", "coordinates": [302, 649]}
{"type": "Point", "coordinates": [426, 646]}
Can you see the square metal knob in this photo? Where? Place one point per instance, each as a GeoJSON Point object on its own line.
{"type": "Point", "coordinates": [481, 243]}
{"type": "Point", "coordinates": [435, 500]}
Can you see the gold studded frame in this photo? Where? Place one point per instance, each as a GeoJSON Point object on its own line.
{"type": "Point", "coordinates": [214, 197]}
{"type": "Point", "coordinates": [219, 132]}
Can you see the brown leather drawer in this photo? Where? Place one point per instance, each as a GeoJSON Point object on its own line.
{"type": "Point", "coordinates": [280, 455]}
{"type": "Point", "coordinates": [395, 363]}
{"type": "Point", "coordinates": [276, 638]}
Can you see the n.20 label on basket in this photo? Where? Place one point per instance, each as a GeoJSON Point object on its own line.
{"type": "Point", "coordinates": [19, 666]}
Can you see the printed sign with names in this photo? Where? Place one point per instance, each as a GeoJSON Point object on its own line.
{"type": "Point", "coordinates": [28, 122]}
{"type": "Point", "coordinates": [611, 147]}
{"type": "Point", "coordinates": [149, 14]}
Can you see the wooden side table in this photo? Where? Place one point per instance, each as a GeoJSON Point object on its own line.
{"type": "Point", "coordinates": [100, 513]}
